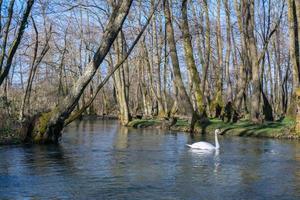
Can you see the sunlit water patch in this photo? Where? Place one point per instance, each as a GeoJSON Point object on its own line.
{"type": "Point", "coordinates": [103, 160]}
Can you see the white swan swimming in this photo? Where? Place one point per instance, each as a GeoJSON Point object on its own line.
{"type": "Point", "coordinates": [206, 145]}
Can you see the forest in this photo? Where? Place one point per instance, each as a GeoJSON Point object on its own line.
{"type": "Point", "coordinates": [144, 61]}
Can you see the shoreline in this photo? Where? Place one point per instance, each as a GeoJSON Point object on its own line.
{"type": "Point", "coordinates": [276, 130]}
{"type": "Point", "coordinates": [14, 136]}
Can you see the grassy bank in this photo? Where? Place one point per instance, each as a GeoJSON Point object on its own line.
{"type": "Point", "coordinates": [9, 136]}
{"type": "Point", "coordinates": [280, 129]}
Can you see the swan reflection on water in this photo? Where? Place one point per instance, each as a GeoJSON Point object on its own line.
{"type": "Point", "coordinates": [204, 157]}
{"type": "Point", "coordinates": [203, 153]}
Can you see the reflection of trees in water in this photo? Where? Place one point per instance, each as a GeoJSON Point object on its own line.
{"type": "Point", "coordinates": [75, 128]}
{"type": "Point", "coordinates": [251, 165]}
{"type": "Point", "coordinates": [45, 159]}
{"type": "Point", "coordinates": [196, 173]}
{"type": "Point", "coordinates": [118, 167]}
{"type": "Point", "coordinates": [29, 170]}
{"type": "Point", "coordinates": [80, 129]}
{"type": "Point", "coordinates": [270, 162]}
{"type": "Point", "coordinates": [296, 167]}
{"type": "Point", "coordinates": [142, 157]}
{"type": "Point", "coordinates": [121, 140]}
{"type": "Point", "coordinates": [91, 125]}
{"type": "Point", "coordinates": [9, 159]}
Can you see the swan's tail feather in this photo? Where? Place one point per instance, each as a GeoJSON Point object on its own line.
{"type": "Point", "coordinates": [189, 145]}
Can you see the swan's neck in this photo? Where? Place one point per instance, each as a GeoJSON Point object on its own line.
{"type": "Point", "coordinates": [217, 141]}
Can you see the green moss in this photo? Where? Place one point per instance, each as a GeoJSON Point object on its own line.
{"type": "Point", "coordinates": [247, 128]}
{"type": "Point", "coordinates": [217, 105]}
{"type": "Point", "coordinates": [280, 129]}
{"type": "Point", "coordinates": [199, 101]}
{"type": "Point", "coordinates": [41, 125]}
{"type": "Point", "coordinates": [182, 122]}
{"type": "Point", "coordinates": [43, 121]}
{"type": "Point", "coordinates": [219, 100]}
{"type": "Point", "coordinates": [143, 123]}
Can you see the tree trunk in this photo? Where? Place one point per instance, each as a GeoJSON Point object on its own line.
{"type": "Point", "coordinates": [243, 77]}
{"type": "Point", "coordinates": [256, 82]}
{"type": "Point", "coordinates": [157, 61]}
{"type": "Point", "coordinates": [120, 82]}
{"type": "Point", "coordinates": [183, 98]}
{"type": "Point", "coordinates": [37, 59]}
{"type": "Point", "coordinates": [47, 128]}
{"type": "Point", "coordinates": [207, 53]}
{"type": "Point", "coordinates": [294, 53]}
{"type": "Point", "coordinates": [228, 52]}
{"type": "Point", "coordinates": [218, 101]}
{"type": "Point", "coordinates": [15, 44]}
{"type": "Point", "coordinates": [190, 61]}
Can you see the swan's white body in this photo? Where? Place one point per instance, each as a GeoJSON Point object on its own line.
{"type": "Point", "coordinates": [206, 145]}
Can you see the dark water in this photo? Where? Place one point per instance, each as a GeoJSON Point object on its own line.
{"type": "Point", "coordinates": [102, 160]}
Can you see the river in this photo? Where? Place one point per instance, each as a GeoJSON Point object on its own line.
{"type": "Point", "coordinates": [103, 160]}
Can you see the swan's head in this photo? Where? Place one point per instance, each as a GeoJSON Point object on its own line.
{"type": "Point", "coordinates": [217, 131]}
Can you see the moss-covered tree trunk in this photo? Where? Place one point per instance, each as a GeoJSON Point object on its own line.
{"type": "Point", "coordinates": [48, 126]}
{"type": "Point", "coordinates": [242, 81]}
{"type": "Point", "coordinates": [190, 61]}
{"type": "Point", "coordinates": [207, 53]}
{"type": "Point", "coordinates": [294, 44]}
{"type": "Point", "coordinates": [182, 97]}
{"type": "Point", "coordinates": [251, 43]}
{"type": "Point", "coordinates": [297, 103]}
{"type": "Point", "coordinates": [228, 52]}
{"type": "Point", "coordinates": [294, 27]}
{"type": "Point", "coordinates": [217, 101]}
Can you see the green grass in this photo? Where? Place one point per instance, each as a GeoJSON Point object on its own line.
{"type": "Point", "coordinates": [143, 123]}
{"type": "Point", "coordinates": [247, 128]}
{"type": "Point", "coordinates": [280, 129]}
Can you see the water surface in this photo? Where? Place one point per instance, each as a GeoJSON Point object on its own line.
{"type": "Point", "coordinates": [103, 160]}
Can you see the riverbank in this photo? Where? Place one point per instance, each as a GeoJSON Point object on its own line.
{"type": "Point", "coordinates": [10, 136]}
{"type": "Point", "coordinates": [243, 128]}
{"type": "Point", "coordinates": [12, 133]}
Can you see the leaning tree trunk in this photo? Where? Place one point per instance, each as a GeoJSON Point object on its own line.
{"type": "Point", "coordinates": [100, 85]}
{"type": "Point", "coordinates": [16, 41]}
{"type": "Point", "coordinates": [47, 127]}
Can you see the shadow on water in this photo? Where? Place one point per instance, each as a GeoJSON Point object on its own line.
{"type": "Point", "coordinates": [103, 160]}
{"type": "Point", "coordinates": [40, 157]}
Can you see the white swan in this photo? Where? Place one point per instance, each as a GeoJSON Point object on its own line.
{"type": "Point", "coordinates": [206, 145]}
